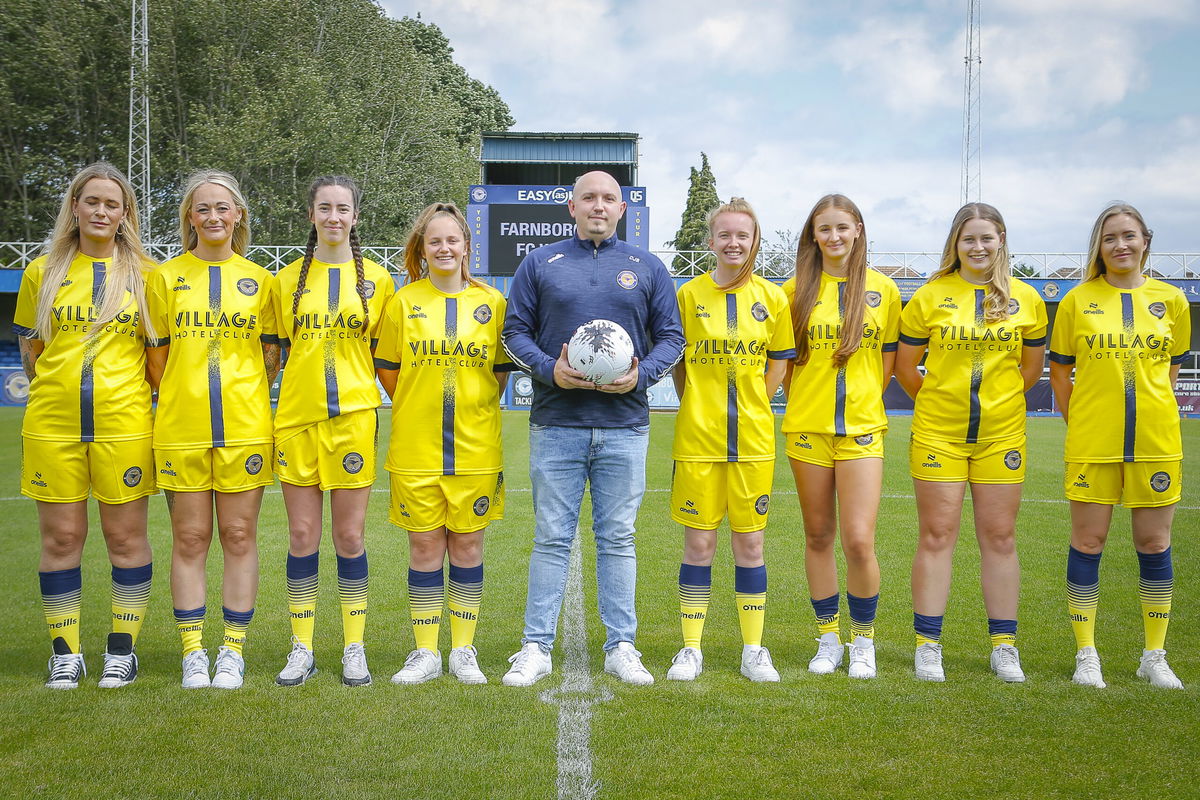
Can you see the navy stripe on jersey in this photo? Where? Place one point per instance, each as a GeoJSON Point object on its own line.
{"type": "Point", "coordinates": [1182, 357]}
{"type": "Point", "coordinates": [331, 382]}
{"type": "Point", "coordinates": [1128, 372]}
{"type": "Point", "coordinates": [21, 330]}
{"type": "Point", "coordinates": [890, 347]}
{"type": "Point", "coordinates": [839, 381]}
{"type": "Point", "coordinates": [216, 408]}
{"type": "Point", "coordinates": [915, 341]}
{"type": "Point", "coordinates": [87, 376]}
{"type": "Point", "coordinates": [1061, 358]}
{"type": "Point", "coordinates": [976, 411]}
{"type": "Point", "coordinates": [781, 355]}
{"type": "Point", "coordinates": [1038, 342]}
{"type": "Point", "coordinates": [731, 394]}
{"type": "Point", "coordinates": [448, 396]}
{"type": "Point", "coordinates": [269, 338]}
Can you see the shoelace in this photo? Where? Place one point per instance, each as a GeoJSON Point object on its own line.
{"type": "Point", "coordinates": [117, 666]}
{"type": "Point", "coordinates": [195, 662]}
{"type": "Point", "coordinates": [760, 658]}
{"type": "Point", "coordinates": [413, 658]}
{"type": "Point", "coordinates": [227, 663]}
{"type": "Point", "coordinates": [297, 657]}
{"type": "Point", "coordinates": [1008, 657]}
{"type": "Point", "coordinates": [685, 655]}
{"type": "Point", "coordinates": [928, 656]}
{"type": "Point", "coordinates": [520, 658]}
{"type": "Point", "coordinates": [65, 666]}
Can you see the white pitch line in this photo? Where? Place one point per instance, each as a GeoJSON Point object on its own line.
{"type": "Point", "coordinates": [577, 693]}
{"type": "Point", "coordinates": [1061, 501]}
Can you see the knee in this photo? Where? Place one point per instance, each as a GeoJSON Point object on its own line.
{"type": "Point", "coordinates": [748, 548]}
{"type": "Point", "coordinates": [60, 541]}
{"type": "Point", "coordinates": [999, 542]}
{"type": "Point", "coordinates": [695, 552]}
{"type": "Point", "coordinates": [191, 543]}
{"type": "Point", "coordinates": [465, 549]}
{"type": "Point", "coordinates": [614, 539]}
{"type": "Point", "coordinates": [938, 536]}
{"type": "Point", "coordinates": [426, 550]}
{"type": "Point", "coordinates": [820, 535]}
{"type": "Point", "coordinates": [238, 539]}
{"type": "Point", "coordinates": [858, 549]}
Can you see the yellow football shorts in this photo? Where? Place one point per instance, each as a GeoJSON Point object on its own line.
{"type": "Point", "coordinates": [983, 462]}
{"type": "Point", "coordinates": [65, 472]}
{"type": "Point", "coordinates": [702, 492]}
{"type": "Point", "coordinates": [337, 453]}
{"type": "Point", "coordinates": [463, 503]}
{"type": "Point", "coordinates": [822, 449]}
{"type": "Point", "coordinates": [1136, 484]}
{"type": "Point", "coordinates": [224, 469]}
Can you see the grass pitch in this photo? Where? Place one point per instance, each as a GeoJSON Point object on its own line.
{"type": "Point", "coordinates": [809, 736]}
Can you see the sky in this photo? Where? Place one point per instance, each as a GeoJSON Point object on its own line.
{"type": "Point", "coordinates": [1084, 102]}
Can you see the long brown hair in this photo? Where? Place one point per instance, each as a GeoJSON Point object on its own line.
{"type": "Point", "coordinates": [999, 273]}
{"type": "Point", "coordinates": [241, 231]}
{"type": "Point", "coordinates": [738, 205]}
{"type": "Point", "coordinates": [414, 245]}
{"type": "Point", "coordinates": [1095, 263]}
{"type": "Point", "coordinates": [355, 246]}
{"type": "Point", "coordinates": [126, 272]}
{"type": "Point", "coordinates": [808, 282]}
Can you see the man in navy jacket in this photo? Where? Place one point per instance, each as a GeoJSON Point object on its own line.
{"type": "Point", "coordinates": [580, 431]}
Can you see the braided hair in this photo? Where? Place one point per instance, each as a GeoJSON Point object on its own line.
{"type": "Point", "coordinates": [355, 246]}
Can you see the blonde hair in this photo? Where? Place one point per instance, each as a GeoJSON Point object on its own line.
{"type": "Point", "coordinates": [241, 231]}
{"type": "Point", "coordinates": [808, 282]}
{"type": "Point", "coordinates": [1095, 263]}
{"type": "Point", "coordinates": [999, 273]}
{"type": "Point", "coordinates": [414, 245]}
{"type": "Point", "coordinates": [310, 247]}
{"type": "Point", "coordinates": [126, 272]}
{"type": "Point", "coordinates": [738, 205]}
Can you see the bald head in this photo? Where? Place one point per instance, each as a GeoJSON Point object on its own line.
{"type": "Point", "coordinates": [596, 205]}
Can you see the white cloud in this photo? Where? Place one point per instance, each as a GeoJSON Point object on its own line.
{"type": "Point", "coordinates": [903, 63]}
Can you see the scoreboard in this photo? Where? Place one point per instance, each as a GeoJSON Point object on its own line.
{"type": "Point", "coordinates": [509, 221]}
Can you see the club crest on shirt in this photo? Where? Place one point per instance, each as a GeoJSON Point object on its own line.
{"type": "Point", "coordinates": [353, 463]}
{"type": "Point", "coordinates": [132, 476]}
{"type": "Point", "coordinates": [758, 311]}
{"type": "Point", "coordinates": [481, 505]}
{"type": "Point", "coordinates": [1160, 481]}
{"type": "Point", "coordinates": [248, 286]}
{"type": "Point", "coordinates": [254, 464]}
{"type": "Point", "coordinates": [874, 299]}
{"type": "Point", "coordinates": [627, 279]}
{"type": "Point", "coordinates": [368, 289]}
{"type": "Point", "coordinates": [1013, 306]}
{"type": "Point", "coordinates": [483, 314]}
{"type": "Point", "coordinates": [760, 505]}
{"type": "Point", "coordinates": [1012, 459]}
{"type": "Point", "coordinates": [1158, 309]}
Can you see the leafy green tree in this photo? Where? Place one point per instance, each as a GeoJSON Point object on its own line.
{"type": "Point", "coordinates": [274, 91]}
{"type": "Point", "coordinates": [693, 227]}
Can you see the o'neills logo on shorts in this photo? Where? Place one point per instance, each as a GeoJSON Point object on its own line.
{"type": "Point", "coordinates": [353, 463]}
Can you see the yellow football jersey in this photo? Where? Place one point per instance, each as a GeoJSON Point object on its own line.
{"type": "Point", "coordinates": [214, 317]}
{"type": "Point", "coordinates": [973, 389]}
{"type": "Point", "coordinates": [1122, 343]}
{"type": "Point", "coordinates": [329, 369]}
{"type": "Point", "coordinates": [725, 414]}
{"type": "Point", "coordinates": [848, 400]}
{"type": "Point", "coordinates": [446, 409]}
{"type": "Point", "coordinates": [87, 389]}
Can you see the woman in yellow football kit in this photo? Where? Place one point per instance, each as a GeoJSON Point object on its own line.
{"type": "Point", "coordinates": [739, 339]}
{"type": "Point", "coordinates": [835, 420]}
{"type": "Point", "coordinates": [440, 359]}
{"type": "Point", "coordinates": [985, 333]}
{"type": "Point", "coordinates": [82, 325]}
{"type": "Point", "coordinates": [330, 309]}
{"type": "Point", "coordinates": [213, 363]}
{"type": "Point", "coordinates": [1124, 335]}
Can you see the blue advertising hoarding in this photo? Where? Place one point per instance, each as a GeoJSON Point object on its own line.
{"type": "Point", "coordinates": [509, 221]}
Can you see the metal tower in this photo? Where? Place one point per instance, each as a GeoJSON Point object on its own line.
{"type": "Point", "coordinates": [971, 180]}
{"type": "Point", "coordinates": [139, 112]}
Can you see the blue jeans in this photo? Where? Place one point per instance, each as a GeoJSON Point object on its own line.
{"type": "Point", "coordinates": [561, 461]}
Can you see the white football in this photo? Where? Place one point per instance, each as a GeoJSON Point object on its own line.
{"type": "Point", "coordinates": [601, 350]}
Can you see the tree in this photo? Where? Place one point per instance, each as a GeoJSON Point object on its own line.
{"type": "Point", "coordinates": [274, 91]}
{"type": "Point", "coordinates": [693, 227]}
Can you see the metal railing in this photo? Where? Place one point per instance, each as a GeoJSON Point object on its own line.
{"type": "Point", "coordinates": [771, 263]}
